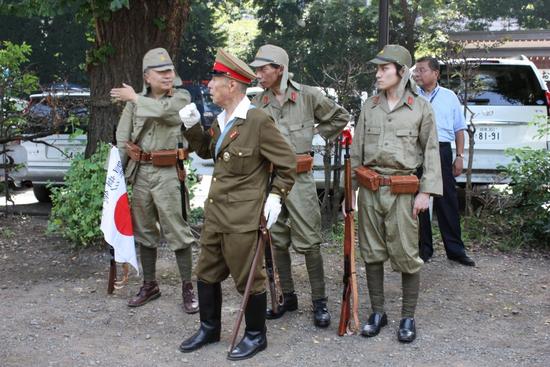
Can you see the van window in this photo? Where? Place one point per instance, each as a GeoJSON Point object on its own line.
{"type": "Point", "coordinates": [498, 85]}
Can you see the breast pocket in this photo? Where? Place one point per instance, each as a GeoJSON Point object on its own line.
{"type": "Point", "coordinates": [301, 136]}
{"type": "Point", "coordinates": [372, 139]}
{"type": "Point", "coordinates": [407, 138]}
{"type": "Point", "coordinates": [239, 160]}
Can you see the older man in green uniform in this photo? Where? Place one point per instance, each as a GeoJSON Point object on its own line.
{"type": "Point", "coordinates": [394, 136]}
{"type": "Point", "coordinates": [300, 112]}
{"type": "Point", "coordinates": [244, 142]}
{"type": "Point", "coordinates": [150, 124]}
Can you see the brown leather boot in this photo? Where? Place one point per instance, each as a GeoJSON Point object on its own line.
{"type": "Point", "coordinates": [190, 303]}
{"type": "Point", "coordinates": [148, 292]}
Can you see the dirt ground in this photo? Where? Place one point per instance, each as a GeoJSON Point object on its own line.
{"type": "Point", "coordinates": [55, 311]}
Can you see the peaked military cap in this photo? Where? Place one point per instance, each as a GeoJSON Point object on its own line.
{"type": "Point", "coordinates": [232, 67]}
{"type": "Point", "coordinates": [270, 54]}
{"type": "Point", "coordinates": [393, 53]}
{"type": "Point", "coordinates": [157, 59]}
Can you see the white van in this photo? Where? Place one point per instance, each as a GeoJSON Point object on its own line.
{"type": "Point", "coordinates": [509, 96]}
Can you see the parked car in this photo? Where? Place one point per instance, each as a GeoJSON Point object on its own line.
{"type": "Point", "coordinates": [12, 155]}
{"type": "Point", "coordinates": [48, 163]}
{"type": "Point", "coordinates": [507, 96]}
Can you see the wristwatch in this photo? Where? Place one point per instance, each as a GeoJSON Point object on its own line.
{"type": "Point", "coordinates": [461, 155]}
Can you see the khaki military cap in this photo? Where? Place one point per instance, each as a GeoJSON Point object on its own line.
{"type": "Point", "coordinates": [232, 67]}
{"type": "Point", "coordinates": [270, 54]}
{"type": "Point", "coordinates": [157, 59]}
{"type": "Point", "coordinates": [393, 53]}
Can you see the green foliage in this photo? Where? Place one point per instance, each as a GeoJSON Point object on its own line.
{"type": "Point", "coordinates": [529, 172]}
{"type": "Point", "coordinates": [77, 206]}
{"type": "Point", "coordinates": [99, 55]}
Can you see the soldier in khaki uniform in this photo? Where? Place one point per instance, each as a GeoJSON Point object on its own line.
{"type": "Point", "coordinates": [150, 123]}
{"type": "Point", "coordinates": [296, 109]}
{"type": "Point", "coordinates": [243, 142]}
{"type": "Point", "coordinates": [394, 136]}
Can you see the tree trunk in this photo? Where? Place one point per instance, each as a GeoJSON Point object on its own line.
{"type": "Point", "coordinates": [120, 43]}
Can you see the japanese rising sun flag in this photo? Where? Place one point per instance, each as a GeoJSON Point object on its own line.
{"type": "Point", "coordinates": [116, 221]}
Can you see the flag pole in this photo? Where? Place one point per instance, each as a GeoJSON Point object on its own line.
{"type": "Point", "coordinates": [112, 271]}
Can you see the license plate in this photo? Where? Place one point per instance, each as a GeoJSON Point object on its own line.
{"type": "Point", "coordinates": [488, 134]}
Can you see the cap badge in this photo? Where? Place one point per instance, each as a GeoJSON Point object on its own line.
{"type": "Point", "coordinates": [162, 58]}
{"type": "Point", "coordinates": [226, 156]}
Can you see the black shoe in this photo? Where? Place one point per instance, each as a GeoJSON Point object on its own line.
{"type": "Point", "coordinates": [321, 316]}
{"type": "Point", "coordinates": [254, 339]}
{"type": "Point", "coordinates": [374, 324]}
{"type": "Point", "coordinates": [290, 304]}
{"type": "Point", "coordinates": [464, 260]}
{"type": "Point", "coordinates": [407, 330]}
{"type": "Point", "coordinates": [210, 309]}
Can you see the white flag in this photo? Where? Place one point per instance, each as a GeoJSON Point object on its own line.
{"type": "Point", "coordinates": [116, 221]}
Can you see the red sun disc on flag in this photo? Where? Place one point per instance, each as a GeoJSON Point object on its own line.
{"type": "Point", "coordinates": [123, 220]}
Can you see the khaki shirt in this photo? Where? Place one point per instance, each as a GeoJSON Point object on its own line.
{"type": "Point", "coordinates": [400, 141]}
{"type": "Point", "coordinates": [239, 181]}
{"type": "Point", "coordinates": [303, 106]}
{"type": "Point", "coordinates": [153, 124]}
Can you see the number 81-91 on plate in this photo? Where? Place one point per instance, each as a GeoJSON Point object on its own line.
{"type": "Point", "coordinates": [488, 134]}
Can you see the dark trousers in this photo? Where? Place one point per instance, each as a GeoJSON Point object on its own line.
{"type": "Point", "coordinates": [446, 209]}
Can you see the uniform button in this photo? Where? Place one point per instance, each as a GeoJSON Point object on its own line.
{"type": "Point", "coordinates": [210, 200]}
{"type": "Point", "coordinates": [389, 120]}
{"type": "Point", "coordinates": [386, 144]}
{"type": "Point", "coordinates": [214, 179]}
{"type": "Point", "coordinates": [240, 153]}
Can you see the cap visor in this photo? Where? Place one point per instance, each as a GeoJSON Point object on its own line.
{"type": "Point", "coordinates": [163, 68]}
{"type": "Point", "coordinates": [378, 61]}
{"type": "Point", "coordinates": [259, 63]}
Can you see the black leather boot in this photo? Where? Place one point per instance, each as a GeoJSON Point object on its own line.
{"type": "Point", "coordinates": [290, 304]}
{"type": "Point", "coordinates": [254, 339]}
{"type": "Point", "coordinates": [407, 330]}
{"type": "Point", "coordinates": [210, 310]}
{"type": "Point", "coordinates": [374, 324]}
{"type": "Point", "coordinates": [321, 316]}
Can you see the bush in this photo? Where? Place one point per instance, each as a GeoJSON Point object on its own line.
{"type": "Point", "coordinates": [530, 193]}
{"type": "Point", "coordinates": [77, 206]}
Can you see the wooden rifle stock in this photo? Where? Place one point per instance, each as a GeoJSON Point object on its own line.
{"type": "Point", "coordinates": [350, 297]}
{"type": "Point", "coordinates": [181, 176]}
{"type": "Point", "coordinates": [263, 233]}
{"type": "Point", "coordinates": [277, 298]}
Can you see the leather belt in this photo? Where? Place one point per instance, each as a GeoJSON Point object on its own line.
{"type": "Point", "coordinates": [145, 157]}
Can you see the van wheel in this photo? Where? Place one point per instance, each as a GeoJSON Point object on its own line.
{"type": "Point", "coordinates": [42, 193]}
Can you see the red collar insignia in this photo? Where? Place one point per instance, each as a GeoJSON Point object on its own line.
{"type": "Point", "coordinates": [234, 134]}
{"type": "Point", "coordinates": [265, 100]}
{"type": "Point", "coordinates": [375, 99]}
{"type": "Point", "coordinates": [293, 96]}
{"type": "Point", "coordinates": [211, 132]}
{"type": "Point", "coordinates": [410, 100]}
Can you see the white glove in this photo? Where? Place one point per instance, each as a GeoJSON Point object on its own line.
{"type": "Point", "coordinates": [272, 209]}
{"type": "Point", "coordinates": [189, 115]}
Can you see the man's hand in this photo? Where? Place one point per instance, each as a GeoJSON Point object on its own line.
{"type": "Point", "coordinates": [272, 209]}
{"type": "Point", "coordinates": [421, 203]}
{"type": "Point", "coordinates": [124, 94]}
{"type": "Point", "coordinates": [189, 115]}
{"type": "Point", "coordinates": [458, 166]}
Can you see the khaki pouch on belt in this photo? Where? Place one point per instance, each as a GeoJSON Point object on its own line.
{"type": "Point", "coordinates": [304, 163]}
{"type": "Point", "coordinates": [164, 158]}
{"type": "Point", "coordinates": [404, 184]}
{"type": "Point", "coordinates": [367, 178]}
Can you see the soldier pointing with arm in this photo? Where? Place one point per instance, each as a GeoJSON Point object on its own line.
{"type": "Point", "coordinates": [296, 109]}
{"type": "Point", "coordinates": [150, 127]}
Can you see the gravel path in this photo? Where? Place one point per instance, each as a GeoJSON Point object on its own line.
{"type": "Point", "coordinates": [54, 311]}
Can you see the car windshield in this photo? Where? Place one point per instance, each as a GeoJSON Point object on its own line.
{"type": "Point", "coordinates": [498, 85]}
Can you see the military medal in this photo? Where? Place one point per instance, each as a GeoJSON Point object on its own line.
{"type": "Point", "coordinates": [226, 156]}
{"type": "Point", "coordinates": [233, 134]}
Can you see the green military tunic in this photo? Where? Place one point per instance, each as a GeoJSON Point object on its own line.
{"type": "Point", "coordinates": [395, 142]}
{"type": "Point", "coordinates": [303, 106]}
{"type": "Point", "coordinates": [156, 197]}
{"type": "Point", "coordinates": [237, 193]}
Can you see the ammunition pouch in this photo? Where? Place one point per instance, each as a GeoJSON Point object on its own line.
{"type": "Point", "coordinates": [304, 163]}
{"type": "Point", "coordinates": [164, 158]}
{"type": "Point", "coordinates": [372, 181]}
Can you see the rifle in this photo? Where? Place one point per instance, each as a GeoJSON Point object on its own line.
{"type": "Point", "coordinates": [181, 156]}
{"type": "Point", "coordinates": [346, 325]}
{"type": "Point", "coordinates": [262, 238]}
{"type": "Point", "coordinates": [277, 297]}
